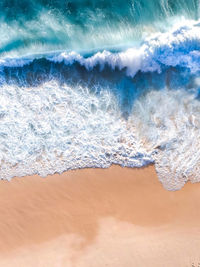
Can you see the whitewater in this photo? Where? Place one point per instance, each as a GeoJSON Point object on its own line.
{"type": "Point", "coordinates": [83, 86]}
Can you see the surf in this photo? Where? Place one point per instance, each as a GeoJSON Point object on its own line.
{"type": "Point", "coordinates": [79, 90]}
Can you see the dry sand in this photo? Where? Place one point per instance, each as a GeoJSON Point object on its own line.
{"type": "Point", "coordinates": [116, 217]}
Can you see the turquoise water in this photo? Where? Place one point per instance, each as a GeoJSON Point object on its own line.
{"type": "Point", "coordinates": [41, 26]}
{"type": "Point", "coordinates": [95, 83]}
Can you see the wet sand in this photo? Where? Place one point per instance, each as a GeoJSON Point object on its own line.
{"type": "Point", "coordinates": [116, 217]}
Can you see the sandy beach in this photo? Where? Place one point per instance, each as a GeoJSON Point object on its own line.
{"type": "Point", "coordinates": [98, 217]}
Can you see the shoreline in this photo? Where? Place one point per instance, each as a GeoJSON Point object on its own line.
{"type": "Point", "coordinates": [88, 217]}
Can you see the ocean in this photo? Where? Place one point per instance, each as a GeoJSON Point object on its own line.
{"type": "Point", "coordinates": [90, 83]}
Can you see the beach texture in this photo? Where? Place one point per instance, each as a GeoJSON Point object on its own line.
{"type": "Point", "coordinates": [118, 217]}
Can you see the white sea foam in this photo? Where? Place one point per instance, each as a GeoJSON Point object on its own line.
{"type": "Point", "coordinates": [168, 122]}
{"type": "Point", "coordinates": [53, 128]}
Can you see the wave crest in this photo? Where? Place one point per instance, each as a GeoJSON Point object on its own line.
{"type": "Point", "coordinates": [178, 47]}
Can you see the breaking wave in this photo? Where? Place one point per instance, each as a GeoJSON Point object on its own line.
{"type": "Point", "coordinates": [137, 103]}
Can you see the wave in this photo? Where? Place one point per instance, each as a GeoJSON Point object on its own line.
{"type": "Point", "coordinates": [41, 26]}
{"type": "Point", "coordinates": [67, 109]}
{"type": "Point", "coordinates": [178, 47]}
